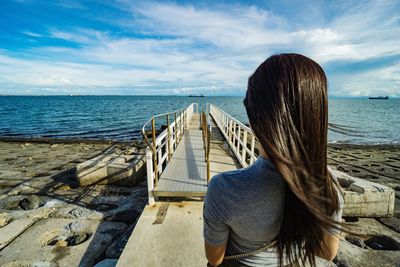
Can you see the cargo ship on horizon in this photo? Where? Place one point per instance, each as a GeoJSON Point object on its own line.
{"type": "Point", "coordinates": [379, 97]}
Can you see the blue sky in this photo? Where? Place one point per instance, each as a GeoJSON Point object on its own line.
{"type": "Point", "coordinates": [188, 47]}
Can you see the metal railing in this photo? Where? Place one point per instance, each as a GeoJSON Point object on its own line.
{"type": "Point", "coordinates": [206, 133]}
{"type": "Point", "coordinates": [161, 147]}
{"type": "Point", "coordinates": [239, 137]}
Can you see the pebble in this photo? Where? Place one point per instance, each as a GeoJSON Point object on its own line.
{"type": "Point", "coordinates": [5, 218]}
{"type": "Point", "coordinates": [62, 243]}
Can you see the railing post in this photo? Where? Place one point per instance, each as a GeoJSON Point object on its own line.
{"type": "Point", "coordinates": [175, 131]}
{"type": "Point", "coordinates": [233, 132]}
{"type": "Point", "coordinates": [253, 140]}
{"type": "Point", "coordinates": [168, 139]}
{"type": "Point", "coordinates": [150, 180]}
{"type": "Point", "coordinates": [245, 147]}
{"type": "Point", "coordinates": [153, 132]}
{"type": "Point", "coordinates": [185, 120]}
{"type": "Point", "coordinates": [229, 131]}
{"type": "Point", "coordinates": [226, 123]}
{"type": "Point", "coordinates": [182, 123]}
{"type": "Point", "coordinates": [238, 137]}
{"type": "Point", "coordinates": [208, 155]}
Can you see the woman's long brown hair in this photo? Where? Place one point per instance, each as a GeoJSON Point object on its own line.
{"type": "Point", "coordinates": [287, 106]}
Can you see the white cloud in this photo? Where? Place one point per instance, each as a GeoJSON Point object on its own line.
{"type": "Point", "coordinates": [213, 48]}
{"type": "Point", "coordinates": [53, 80]}
{"type": "Point", "coordinates": [226, 26]}
{"type": "Point", "coordinates": [33, 34]}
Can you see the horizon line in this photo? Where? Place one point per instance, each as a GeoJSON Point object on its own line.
{"type": "Point", "coordinates": [178, 95]}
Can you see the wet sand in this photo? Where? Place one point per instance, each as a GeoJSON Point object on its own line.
{"type": "Point", "coordinates": [36, 171]}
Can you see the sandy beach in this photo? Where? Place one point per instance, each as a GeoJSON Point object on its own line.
{"type": "Point", "coordinates": [38, 184]}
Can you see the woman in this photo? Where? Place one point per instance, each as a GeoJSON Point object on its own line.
{"type": "Point", "coordinates": [286, 206]}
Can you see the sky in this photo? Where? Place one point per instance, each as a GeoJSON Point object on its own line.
{"type": "Point", "coordinates": [133, 47]}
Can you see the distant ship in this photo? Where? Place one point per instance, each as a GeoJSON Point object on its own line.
{"type": "Point", "coordinates": [379, 97]}
{"type": "Point", "coordinates": [196, 95]}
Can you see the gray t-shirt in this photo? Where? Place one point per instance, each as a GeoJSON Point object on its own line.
{"type": "Point", "coordinates": [245, 207]}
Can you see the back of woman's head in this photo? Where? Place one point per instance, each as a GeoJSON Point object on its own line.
{"type": "Point", "coordinates": [287, 106]}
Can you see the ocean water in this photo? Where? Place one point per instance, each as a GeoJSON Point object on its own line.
{"type": "Point", "coordinates": [121, 117]}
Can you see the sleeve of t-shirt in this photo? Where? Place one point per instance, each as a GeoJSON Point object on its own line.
{"type": "Point", "coordinates": [337, 216]}
{"type": "Point", "coordinates": [215, 217]}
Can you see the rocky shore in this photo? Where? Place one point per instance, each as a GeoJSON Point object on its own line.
{"type": "Point", "coordinates": [376, 241]}
{"type": "Point", "coordinates": [47, 219]}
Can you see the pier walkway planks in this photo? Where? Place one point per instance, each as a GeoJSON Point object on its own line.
{"type": "Point", "coordinates": [186, 173]}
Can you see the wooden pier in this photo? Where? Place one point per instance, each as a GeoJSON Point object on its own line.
{"type": "Point", "coordinates": [185, 175]}
{"type": "Point", "coordinates": [182, 159]}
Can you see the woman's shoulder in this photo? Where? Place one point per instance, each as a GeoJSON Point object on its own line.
{"type": "Point", "coordinates": [228, 176]}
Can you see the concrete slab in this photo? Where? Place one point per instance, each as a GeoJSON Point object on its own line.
{"type": "Point", "coordinates": [12, 230]}
{"type": "Point", "coordinates": [165, 231]}
{"type": "Point", "coordinates": [61, 242]}
{"type": "Point", "coordinates": [110, 168]}
{"type": "Point", "coordinates": [365, 199]}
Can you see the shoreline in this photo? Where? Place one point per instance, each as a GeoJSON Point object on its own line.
{"type": "Point", "coordinates": [47, 140]}
{"type": "Point", "coordinates": [52, 140]}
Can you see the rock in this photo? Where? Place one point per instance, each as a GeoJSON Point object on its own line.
{"type": "Point", "coordinates": [393, 223]}
{"type": "Point", "coordinates": [356, 241]}
{"type": "Point", "coordinates": [72, 211]}
{"type": "Point", "coordinates": [371, 227]}
{"type": "Point", "coordinates": [30, 203]}
{"type": "Point", "coordinates": [381, 242]}
{"type": "Point", "coordinates": [128, 216]}
{"type": "Point", "coordinates": [115, 249]}
{"type": "Point", "coordinates": [350, 255]}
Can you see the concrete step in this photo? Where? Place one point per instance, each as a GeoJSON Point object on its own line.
{"type": "Point", "coordinates": [111, 168]}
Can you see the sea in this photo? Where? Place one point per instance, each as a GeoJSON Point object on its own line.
{"type": "Point", "coordinates": [120, 118]}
